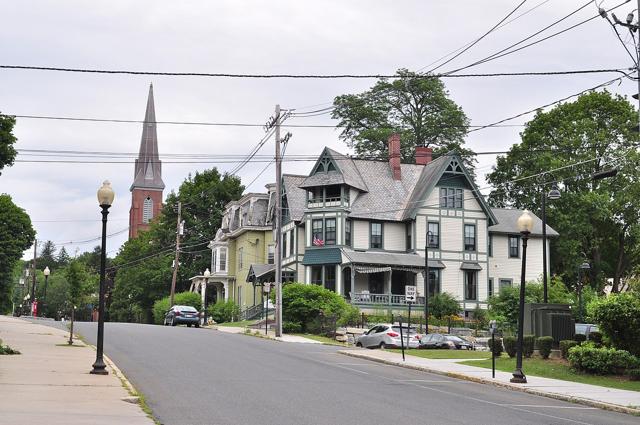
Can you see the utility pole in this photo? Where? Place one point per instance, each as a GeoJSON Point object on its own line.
{"type": "Point", "coordinates": [177, 257]}
{"type": "Point", "coordinates": [33, 273]}
{"type": "Point", "coordinates": [278, 247]}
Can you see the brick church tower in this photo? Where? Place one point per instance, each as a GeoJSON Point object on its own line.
{"type": "Point", "coordinates": [147, 187]}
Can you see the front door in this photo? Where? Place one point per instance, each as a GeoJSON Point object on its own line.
{"type": "Point", "coordinates": [376, 283]}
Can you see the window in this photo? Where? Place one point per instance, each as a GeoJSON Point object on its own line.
{"type": "Point", "coordinates": [469, 237]}
{"type": "Point", "coordinates": [347, 232]}
{"type": "Point", "coordinates": [433, 235]}
{"type": "Point", "coordinates": [434, 282]}
{"type": "Point", "coordinates": [291, 241]}
{"type": "Point", "coordinates": [451, 198]}
{"type": "Point", "coordinates": [240, 258]}
{"type": "Point", "coordinates": [316, 275]}
{"type": "Point", "coordinates": [490, 247]}
{"type": "Point", "coordinates": [330, 278]}
{"type": "Point", "coordinates": [223, 259]}
{"type": "Point", "coordinates": [408, 239]}
{"type": "Point", "coordinates": [470, 285]}
{"type": "Point", "coordinates": [505, 283]}
{"type": "Point", "coordinates": [317, 236]}
{"type": "Point", "coordinates": [330, 231]}
{"type": "Point", "coordinates": [514, 246]}
{"type": "Point", "coordinates": [214, 261]}
{"type": "Point", "coordinates": [147, 210]}
{"type": "Point", "coordinates": [284, 244]}
{"type": "Point", "coordinates": [376, 235]}
{"type": "Point", "coordinates": [490, 287]}
{"type": "Point", "coordinates": [271, 250]}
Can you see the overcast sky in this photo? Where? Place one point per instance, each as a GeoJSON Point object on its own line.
{"type": "Point", "coordinates": [320, 37]}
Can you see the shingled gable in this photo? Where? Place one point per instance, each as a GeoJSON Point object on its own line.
{"type": "Point", "coordinates": [431, 175]}
{"type": "Point", "coordinates": [334, 168]}
{"type": "Point", "coordinates": [296, 197]}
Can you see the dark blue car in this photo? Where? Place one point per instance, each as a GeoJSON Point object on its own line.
{"type": "Point", "coordinates": [182, 314]}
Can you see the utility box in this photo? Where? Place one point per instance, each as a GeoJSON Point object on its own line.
{"type": "Point", "coordinates": [552, 320]}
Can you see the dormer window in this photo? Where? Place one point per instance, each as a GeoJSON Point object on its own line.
{"type": "Point", "coordinates": [451, 198]}
{"type": "Point", "coordinates": [324, 166]}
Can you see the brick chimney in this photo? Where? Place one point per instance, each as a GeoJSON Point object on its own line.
{"type": "Point", "coordinates": [394, 155]}
{"type": "Point", "coordinates": [423, 155]}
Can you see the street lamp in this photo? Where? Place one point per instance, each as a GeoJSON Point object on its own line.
{"type": "Point", "coordinates": [206, 275]}
{"type": "Point", "coordinates": [553, 194]}
{"type": "Point", "coordinates": [525, 225]}
{"type": "Point", "coordinates": [426, 280]}
{"type": "Point", "coordinates": [46, 273]}
{"type": "Point", "coordinates": [583, 266]}
{"type": "Point", "coordinates": [105, 199]}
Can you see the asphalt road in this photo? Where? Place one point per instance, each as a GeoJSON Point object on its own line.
{"type": "Point", "coordinates": [201, 376]}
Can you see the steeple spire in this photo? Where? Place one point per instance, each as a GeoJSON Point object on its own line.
{"type": "Point", "coordinates": [148, 169]}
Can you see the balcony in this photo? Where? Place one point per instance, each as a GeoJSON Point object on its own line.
{"type": "Point", "coordinates": [339, 201]}
{"type": "Point", "coordinates": [364, 299]}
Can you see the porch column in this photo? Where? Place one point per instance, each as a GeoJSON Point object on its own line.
{"type": "Point", "coordinates": [389, 286]}
{"type": "Point", "coordinates": [226, 290]}
{"type": "Point", "coordinates": [339, 283]}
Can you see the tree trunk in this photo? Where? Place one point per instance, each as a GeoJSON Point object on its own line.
{"type": "Point", "coordinates": [71, 327]}
{"type": "Point", "coordinates": [620, 264]}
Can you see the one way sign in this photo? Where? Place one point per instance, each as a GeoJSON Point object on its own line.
{"type": "Point", "coordinates": [410, 293]}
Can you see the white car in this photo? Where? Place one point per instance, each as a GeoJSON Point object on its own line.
{"type": "Point", "coordinates": [388, 336]}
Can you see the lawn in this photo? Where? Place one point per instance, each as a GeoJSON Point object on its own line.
{"type": "Point", "coordinates": [557, 369]}
{"type": "Point", "coordinates": [241, 324]}
{"type": "Point", "coordinates": [446, 354]}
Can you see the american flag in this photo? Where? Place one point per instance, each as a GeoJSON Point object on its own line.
{"type": "Point", "coordinates": [317, 241]}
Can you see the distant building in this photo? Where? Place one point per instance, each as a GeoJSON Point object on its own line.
{"type": "Point", "coordinates": [147, 187]}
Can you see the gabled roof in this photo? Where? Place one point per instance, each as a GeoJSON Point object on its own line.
{"type": "Point", "coordinates": [148, 169]}
{"type": "Point", "coordinates": [346, 172]}
{"type": "Point", "coordinates": [508, 223]}
{"type": "Point", "coordinates": [296, 197]}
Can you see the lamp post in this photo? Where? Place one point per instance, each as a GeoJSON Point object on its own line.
{"type": "Point", "coordinates": [206, 274]}
{"type": "Point", "coordinates": [426, 281]}
{"type": "Point", "coordinates": [105, 199]}
{"type": "Point", "coordinates": [525, 225]}
{"type": "Point", "coordinates": [46, 273]}
{"type": "Point", "coordinates": [553, 194]}
{"type": "Point", "coordinates": [583, 266]}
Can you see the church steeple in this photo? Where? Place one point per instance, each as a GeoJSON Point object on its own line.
{"type": "Point", "coordinates": [147, 186]}
{"type": "Point", "coordinates": [148, 170]}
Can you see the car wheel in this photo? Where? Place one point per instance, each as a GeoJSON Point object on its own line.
{"type": "Point", "coordinates": [197, 325]}
{"type": "Point", "coordinates": [188, 325]}
{"type": "Point", "coordinates": [382, 345]}
{"type": "Point", "coordinates": [359, 344]}
{"type": "Point", "coordinates": [173, 321]}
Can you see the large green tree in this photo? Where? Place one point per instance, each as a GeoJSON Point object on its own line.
{"type": "Point", "coordinates": [16, 235]}
{"type": "Point", "coordinates": [417, 108]}
{"type": "Point", "coordinates": [142, 268]}
{"type": "Point", "coordinates": [7, 140]}
{"type": "Point", "coordinates": [597, 220]}
{"type": "Point", "coordinates": [47, 257]}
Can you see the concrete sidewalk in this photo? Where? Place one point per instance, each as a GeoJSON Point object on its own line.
{"type": "Point", "coordinates": [592, 395]}
{"type": "Point", "coordinates": [49, 382]}
{"type": "Point", "coordinates": [270, 335]}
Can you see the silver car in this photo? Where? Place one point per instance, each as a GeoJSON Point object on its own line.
{"type": "Point", "coordinates": [388, 336]}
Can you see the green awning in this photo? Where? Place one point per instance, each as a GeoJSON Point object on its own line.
{"type": "Point", "coordinates": [319, 256]}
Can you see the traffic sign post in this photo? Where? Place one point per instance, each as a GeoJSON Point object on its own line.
{"type": "Point", "coordinates": [410, 292]}
{"type": "Point", "coordinates": [267, 290]}
{"type": "Point", "coordinates": [492, 328]}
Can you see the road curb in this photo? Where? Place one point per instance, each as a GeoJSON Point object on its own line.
{"type": "Point", "coordinates": [562, 397]}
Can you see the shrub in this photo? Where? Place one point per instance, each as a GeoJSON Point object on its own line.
{"type": "Point", "coordinates": [510, 345]}
{"type": "Point", "coordinates": [618, 317]}
{"type": "Point", "coordinates": [565, 345]}
{"type": "Point", "coordinates": [495, 347]}
{"type": "Point", "coordinates": [223, 311]}
{"type": "Point", "coordinates": [350, 317]}
{"type": "Point", "coordinates": [601, 361]}
{"type": "Point", "coordinates": [443, 305]}
{"type": "Point", "coordinates": [579, 338]}
{"type": "Point", "coordinates": [291, 327]}
{"type": "Point", "coordinates": [303, 304]}
{"type": "Point", "coordinates": [544, 344]}
{"type": "Point", "coordinates": [634, 374]}
{"type": "Point", "coordinates": [161, 306]}
{"type": "Point", "coordinates": [528, 344]}
{"type": "Point", "coordinates": [596, 338]}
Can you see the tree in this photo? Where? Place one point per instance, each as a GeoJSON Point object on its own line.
{"type": "Point", "coordinates": [419, 109]}
{"type": "Point", "coordinates": [443, 305]}
{"type": "Point", "coordinates": [47, 256]}
{"type": "Point", "coordinates": [63, 258]}
{"type": "Point", "coordinates": [7, 140]}
{"type": "Point", "coordinates": [598, 220]}
{"type": "Point", "coordinates": [619, 318]}
{"type": "Point", "coordinates": [16, 235]}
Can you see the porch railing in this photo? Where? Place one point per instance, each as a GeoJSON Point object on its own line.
{"type": "Point", "coordinates": [251, 312]}
{"type": "Point", "coordinates": [363, 298]}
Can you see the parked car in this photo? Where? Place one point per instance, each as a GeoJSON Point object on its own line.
{"type": "Point", "coordinates": [586, 329]}
{"type": "Point", "coordinates": [388, 336]}
{"type": "Point", "coordinates": [182, 314]}
{"type": "Point", "coordinates": [446, 341]}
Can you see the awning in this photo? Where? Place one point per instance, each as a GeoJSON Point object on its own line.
{"type": "Point", "coordinates": [319, 256]}
{"type": "Point", "coordinates": [372, 269]}
{"type": "Point", "coordinates": [470, 266]}
{"type": "Point", "coordinates": [436, 264]}
{"type": "Point", "coordinates": [256, 271]}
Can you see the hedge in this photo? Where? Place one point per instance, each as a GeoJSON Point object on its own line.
{"type": "Point", "coordinates": [601, 361]}
{"type": "Point", "coordinates": [618, 318]}
{"type": "Point", "coordinates": [223, 311]}
{"type": "Point", "coordinates": [510, 345]}
{"type": "Point", "coordinates": [544, 344]}
{"type": "Point", "coordinates": [565, 345]}
{"type": "Point", "coordinates": [495, 347]}
{"type": "Point", "coordinates": [528, 345]}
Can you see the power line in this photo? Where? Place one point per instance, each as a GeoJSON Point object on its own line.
{"type": "Point", "coordinates": [480, 38]}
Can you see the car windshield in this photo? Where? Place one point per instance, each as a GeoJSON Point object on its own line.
{"type": "Point", "coordinates": [404, 329]}
{"type": "Point", "coordinates": [187, 309]}
{"type": "Point", "coordinates": [454, 338]}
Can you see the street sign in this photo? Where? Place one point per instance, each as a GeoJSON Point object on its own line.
{"type": "Point", "coordinates": [267, 287]}
{"type": "Point", "coordinates": [410, 293]}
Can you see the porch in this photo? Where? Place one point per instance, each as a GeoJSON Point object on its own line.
{"type": "Point", "coordinates": [366, 300]}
